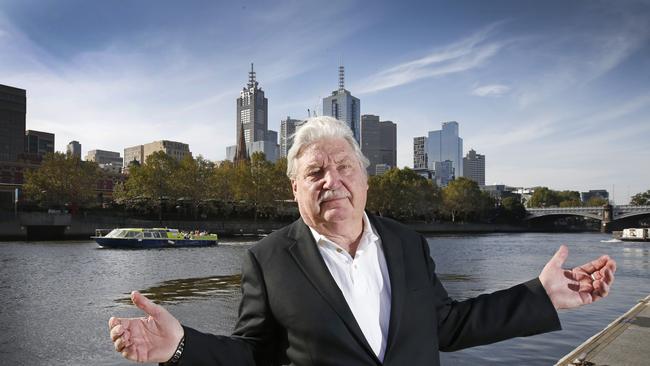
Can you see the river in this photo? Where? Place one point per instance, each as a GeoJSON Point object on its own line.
{"type": "Point", "coordinates": [56, 297]}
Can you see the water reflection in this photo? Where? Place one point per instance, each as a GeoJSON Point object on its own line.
{"type": "Point", "coordinates": [187, 289]}
{"type": "Point", "coordinates": [454, 277]}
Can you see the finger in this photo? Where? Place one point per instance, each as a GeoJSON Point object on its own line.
{"type": "Point", "coordinates": [145, 304]}
{"type": "Point", "coordinates": [608, 278]}
{"type": "Point", "coordinates": [611, 264]}
{"type": "Point", "coordinates": [116, 332]}
{"type": "Point", "coordinates": [560, 256]}
{"type": "Point", "coordinates": [586, 286]}
{"type": "Point", "coordinates": [595, 265]}
{"type": "Point", "coordinates": [113, 321]}
{"type": "Point", "coordinates": [120, 344]}
{"type": "Point", "coordinates": [602, 288]}
{"type": "Point", "coordinates": [130, 353]}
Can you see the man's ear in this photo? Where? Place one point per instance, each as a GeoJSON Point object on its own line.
{"type": "Point", "coordinates": [294, 189]}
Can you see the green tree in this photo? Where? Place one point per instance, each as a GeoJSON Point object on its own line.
{"type": "Point", "coordinates": [569, 199]}
{"type": "Point", "coordinates": [463, 198]}
{"type": "Point", "coordinates": [512, 209]}
{"type": "Point", "coordinates": [596, 201]}
{"type": "Point", "coordinates": [62, 180]}
{"type": "Point", "coordinates": [544, 197]}
{"type": "Point", "coordinates": [403, 194]}
{"type": "Point", "coordinates": [192, 181]}
{"type": "Point", "coordinates": [149, 184]}
{"type": "Point", "coordinates": [221, 185]}
{"type": "Point", "coordinates": [641, 199]}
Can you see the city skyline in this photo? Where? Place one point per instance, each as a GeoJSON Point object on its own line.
{"type": "Point", "coordinates": [554, 93]}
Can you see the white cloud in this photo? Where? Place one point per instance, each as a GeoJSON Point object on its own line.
{"type": "Point", "coordinates": [494, 90]}
{"type": "Point", "coordinates": [466, 54]}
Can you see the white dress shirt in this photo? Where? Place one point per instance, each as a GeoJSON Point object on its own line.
{"type": "Point", "coordinates": [364, 282]}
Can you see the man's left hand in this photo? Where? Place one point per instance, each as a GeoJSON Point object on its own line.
{"type": "Point", "coordinates": [570, 288]}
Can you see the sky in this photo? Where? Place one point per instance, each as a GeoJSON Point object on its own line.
{"type": "Point", "coordinates": [553, 93]}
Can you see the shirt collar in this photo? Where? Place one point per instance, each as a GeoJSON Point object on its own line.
{"type": "Point", "coordinates": [368, 235]}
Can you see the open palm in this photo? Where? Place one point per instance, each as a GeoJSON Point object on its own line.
{"type": "Point", "coordinates": [570, 288]}
{"type": "Point", "coordinates": [153, 338]}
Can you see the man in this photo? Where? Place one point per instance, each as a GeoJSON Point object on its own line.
{"type": "Point", "coordinates": [340, 287]}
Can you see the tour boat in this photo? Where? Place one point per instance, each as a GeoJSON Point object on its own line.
{"type": "Point", "coordinates": [635, 234]}
{"type": "Point", "coordinates": [138, 238]}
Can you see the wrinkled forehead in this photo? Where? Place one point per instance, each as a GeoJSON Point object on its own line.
{"type": "Point", "coordinates": [326, 151]}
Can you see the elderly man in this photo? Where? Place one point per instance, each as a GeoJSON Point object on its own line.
{"type": "Point", "coordinates": [341, 287]}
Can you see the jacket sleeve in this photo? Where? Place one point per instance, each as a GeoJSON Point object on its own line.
{"type": "Point", "coordinates": [254, 341]}
{"type": "Point", "coordinates": [522, 310]}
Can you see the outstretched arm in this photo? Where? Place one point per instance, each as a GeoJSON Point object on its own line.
{"type": "Point", "coordinates": [153, 338]}
{"type": "Point", "coordinates": [570, 288]}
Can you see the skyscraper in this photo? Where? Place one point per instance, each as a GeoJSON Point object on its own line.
{"type": "Point", "coordinates": [252, 111]}
{"type": "Point", "coordinates": [474, 167]}
{"type": "Point", "coordinates": [378, 143]}
{"type": "Point", "coordinates": [74, 149]}
{"type": "Point", "coordinates": [287, 129]}
{"type": "Point", "coordinates": [252, 122]}
{"type": "Point", "coordinates": [420, 153]}
{"type": "Point", "coordinates": [13, 107]}
{"type": "Point", "coordinates": [443, 172]}
{"type": "Point", "coordinates": [444, 145]}
{"type": "Point", "coordinates": [344, 107]}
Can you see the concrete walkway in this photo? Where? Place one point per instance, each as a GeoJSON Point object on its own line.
{"type": "Point", "coordinates": [626, 341]}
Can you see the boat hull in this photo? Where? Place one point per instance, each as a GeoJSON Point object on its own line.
{"type": "Point", "coordinates": [131, 243]}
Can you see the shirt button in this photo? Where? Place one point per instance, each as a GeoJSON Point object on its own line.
{"type": "Point", "coordinates": [339, 250]}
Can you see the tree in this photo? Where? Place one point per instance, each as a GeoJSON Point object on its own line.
{"type": "Point", "coordinates": [641, 199]}
{"type": "Point", "coordinates": [403, 194]}
{"type": "Point", "coordinates": [192, 180]}
{"type": "Point", "coordinates": [512, 209]}
{"type": "Point", "coordinates": [62, 180]}
{"type": "Point", "coordinates": [596, 201]}
{"type": "Point", "coordinates": [463, 198]}
{"type": "Point", "coordinates": [544, 197]}
{"type": "Point", "coordinates": [151, 182]}
{"type": "Point", "coordinates": [569, 199]}
{"type": "Point", "coordinates": [221, 182]}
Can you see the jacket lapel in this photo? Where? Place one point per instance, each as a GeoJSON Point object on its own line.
{"type": "Point", "coordinates": [392, 245]}
{"type": "Point", "coordinates": [305, 252]}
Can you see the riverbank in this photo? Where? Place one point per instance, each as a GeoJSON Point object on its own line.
{"type": "Point", "coordinates": [60, 226]}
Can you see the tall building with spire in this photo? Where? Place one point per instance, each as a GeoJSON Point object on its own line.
{"type": "Point", "coordinates": [252, 111]}
{"type": "Point", "coordinates": [343, 106]}
{"type": "Point", "coordinates": [253, 134]}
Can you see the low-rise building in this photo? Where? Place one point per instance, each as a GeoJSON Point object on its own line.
{"type": "Point", "coordinates": [139, 153]}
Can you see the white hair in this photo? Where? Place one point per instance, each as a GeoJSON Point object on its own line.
{"type": "Point", "coordinates": [319, 128]}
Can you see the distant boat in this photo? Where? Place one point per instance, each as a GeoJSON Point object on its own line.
{"type": "Point", "coordinates": [633, 234]}
{"type": "Point", "coordinates": [142, 238]}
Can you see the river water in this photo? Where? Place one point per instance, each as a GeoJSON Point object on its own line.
{"type": "Point", "coordinates": [56, 297]}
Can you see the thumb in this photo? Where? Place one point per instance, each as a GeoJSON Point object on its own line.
{"type": "Point", "coordinates": [145, 304]}
{"type": "Point", "coordinates": [560, 256]}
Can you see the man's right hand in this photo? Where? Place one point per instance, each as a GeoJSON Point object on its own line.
{"type": "Point", "coordinates": [149, 339]}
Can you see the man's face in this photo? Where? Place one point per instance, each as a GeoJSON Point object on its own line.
{"type": "Point", "coordinates": [330, 185]}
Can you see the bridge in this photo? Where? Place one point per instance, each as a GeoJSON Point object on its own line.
{"type": "Point", "coordinates": [605, 214]}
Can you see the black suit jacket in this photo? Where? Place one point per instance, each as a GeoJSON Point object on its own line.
{"type": "Point", "coordinates": [292, 311]}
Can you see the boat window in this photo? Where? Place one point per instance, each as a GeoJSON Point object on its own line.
{"type": "Point", "coordinates": [147, 234]}
{"type": "Point", "coordinates": [132, 234]}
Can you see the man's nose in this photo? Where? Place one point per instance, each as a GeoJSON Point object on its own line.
{"type": "Point", "coordinates": [332, 179]}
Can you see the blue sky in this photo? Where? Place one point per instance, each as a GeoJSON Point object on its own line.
{"type": "Point", "coordinates": [554, 93]}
